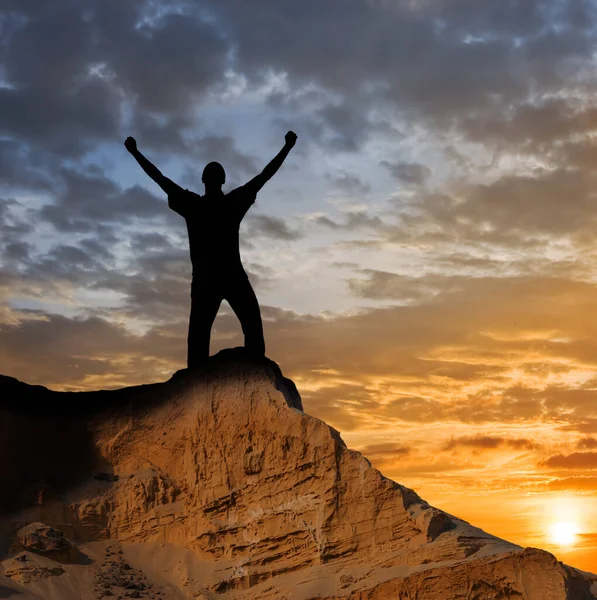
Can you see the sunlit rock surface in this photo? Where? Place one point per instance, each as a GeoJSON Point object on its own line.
{"type": "Point", "coordinates": [215, 485]}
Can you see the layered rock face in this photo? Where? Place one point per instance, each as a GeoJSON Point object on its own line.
{"type": "Point", "coordinates": [216, 485]}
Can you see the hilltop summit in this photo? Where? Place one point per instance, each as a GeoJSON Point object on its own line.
{"type": "Point", "coordinates": [216, 485]}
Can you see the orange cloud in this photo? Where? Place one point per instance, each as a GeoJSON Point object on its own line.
{"type": "Point", "coordinates": [487, 442]}
{"type": "Point", "coordinates": [576, 460]}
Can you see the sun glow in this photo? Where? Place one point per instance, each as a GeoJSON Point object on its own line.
{"type": "Point", "coordinates": [563, 533]}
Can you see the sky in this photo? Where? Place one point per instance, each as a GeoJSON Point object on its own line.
{"type": "Point", "coordinates": [425, 258]}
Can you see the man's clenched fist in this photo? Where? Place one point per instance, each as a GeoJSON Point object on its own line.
{"type": "Point", "coordinates": [130, 144]}
{"type": "Point", "coordinates": [290, 138]}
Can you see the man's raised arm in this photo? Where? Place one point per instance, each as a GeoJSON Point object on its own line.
{"type": "Point", "coordinates": [270, 170]}
{"type": "Point", "coordinates": [166, 184]}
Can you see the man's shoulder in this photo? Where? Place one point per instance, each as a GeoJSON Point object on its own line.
{"type": "Point", "coordinates": [235, 191]}
{"type": "Point", "coordinates": [193, 196]}
{"type": "Point", "coordinates": [242, 191]}
{"type": "Point", "coordinates": [184, 202]}
{"type": "Point", "coordinates": [184, 193]}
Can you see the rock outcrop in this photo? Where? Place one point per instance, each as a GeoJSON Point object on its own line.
{"type": "Point", "coordinates": [217, 485]}
{"type": "Point", "coordinates": [38, 537]}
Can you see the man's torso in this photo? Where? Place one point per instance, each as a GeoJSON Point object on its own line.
{"type": "Point", "coordinates": [213, 224]}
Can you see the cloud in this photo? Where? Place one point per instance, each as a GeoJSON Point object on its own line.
{"type": "Point", "coordinates": [414, 173]}
{"type": "Point", "coordinates": [385, 449]}
{"type": "Point", "coordinates": [56, 119]}
{"type": "Point", "coordinates": [70, 352]}
{"type": "Point", "coordinates": [488, 442]}
{"type": "Point", "coordinates": [20, 167]}
{"type": "Point", "coordinates": [583, 483]}
{"type": "Point", "coordinates": [576, 460]}
{"type": "Point", "coordinates": [467, 70]}
{"type": "Point", "coordinates": [442, 359]}
{"type": "Point", "coordinates": [385, 455]}
{"type": "Point", "coordinates": [354, 221]}
{"type": "Point", "coordinates": [223, 149]}
{"type": "Point", "coordinates": [271, 227]}
{"type": "Point", "coordinates": [91, 199]}
{"type": "Point", "coordinates": [379, 285]}
{"type": "Point", "coordinates": [533, 127]}
{"type": "Point", "coordinates": [349, 183]}
{"type": "Point", "coordinates": [466, 74]}
{"type": "Point", "coordinates": [586, 443]}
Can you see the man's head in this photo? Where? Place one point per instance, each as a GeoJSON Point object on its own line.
{"type": "Point", "coordinates": [214, 175]}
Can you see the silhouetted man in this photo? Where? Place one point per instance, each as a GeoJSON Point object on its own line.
{"type": "Point", "coordinates": [213, 222]}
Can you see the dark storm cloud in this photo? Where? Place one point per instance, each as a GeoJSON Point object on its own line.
{"type": "Point", "coordinates": [155, 58]}
{"type": "Point", "coordinates": [62, 122]}
{"type": "Point", "coordinates": [90, 199]}
{"type": "Point", "coordinates": [20, 167]}
{"type": "Point", "coordinates": [441, 61]}
{"type": "Point", "coordinates": [165, 133]}
{"type": "Point", "coordinates": [17, 251]}
{"type": "Point", "coordinates": [52, 102]}
{"type": "Point", "coordinates": [168, 63]}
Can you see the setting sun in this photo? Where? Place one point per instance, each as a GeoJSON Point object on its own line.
{"type": "Point", "coordinates": [563, 533]}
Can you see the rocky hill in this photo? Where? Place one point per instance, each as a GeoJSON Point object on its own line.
{"type": "Point", "coordinates": [216, 485]}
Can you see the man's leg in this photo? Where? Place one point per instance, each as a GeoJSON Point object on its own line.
{"type": "Point", "coordinates": [205, 302]}
{"type": "Point", "coordinates": [242, 300]}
